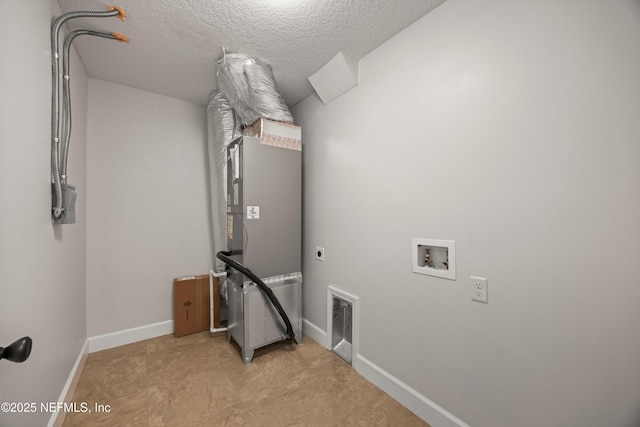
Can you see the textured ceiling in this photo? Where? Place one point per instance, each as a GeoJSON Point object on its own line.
{"type": "Point", "coordinates": [175, 43]}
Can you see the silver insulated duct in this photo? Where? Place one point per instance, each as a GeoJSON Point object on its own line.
{"type": "Point", "coordinates": [223, 127]}
{"type": "Point", "coordinates": [251, 89]}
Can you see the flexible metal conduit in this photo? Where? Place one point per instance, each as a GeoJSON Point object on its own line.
{"type": "Point", "coordinates": [223, 256]}
{"type": "Point", "coordinates": [66, 91]}
{"type": "Point", "coordinates": [55, 89]}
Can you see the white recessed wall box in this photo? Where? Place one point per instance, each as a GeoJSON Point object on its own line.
{"type": "Point", "coordinates": [434, 257]}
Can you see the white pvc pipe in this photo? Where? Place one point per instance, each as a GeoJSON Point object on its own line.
{"type": "Point", "coordinates": [213, 274]}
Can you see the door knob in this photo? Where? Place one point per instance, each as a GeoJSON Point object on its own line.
{"type": "Point", "coordinates": [18, 351]}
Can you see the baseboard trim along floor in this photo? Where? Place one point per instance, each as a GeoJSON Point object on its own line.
{"type": "Point", "coordinates": [427, 410]}
{"type": "Point", "coordinates": [57, 418]}
{"type": "Point", "coordinates": [128, 336]}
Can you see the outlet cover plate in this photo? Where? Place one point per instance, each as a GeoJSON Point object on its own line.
{"type": "Point", "coordinates": [479, 289]}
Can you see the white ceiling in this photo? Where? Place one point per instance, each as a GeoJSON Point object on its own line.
{"type": "Point", "coordinates": [175, 44]}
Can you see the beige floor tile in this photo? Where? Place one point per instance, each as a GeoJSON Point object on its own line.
{"type": "Point", "coordinates": [200, 380]}
{"type": "Point", "coordinates": [105, 378]}
{"type": "Point", "coordinates": [347, 422]}
{"type": "Point", "coordinates": [384, 411]}
{"type": "Point", "coordinates": [301, 407]}
{"type": "Point", "coordinates": [189, 398]}
{"type": "Point", "coordinates": [129, 350]}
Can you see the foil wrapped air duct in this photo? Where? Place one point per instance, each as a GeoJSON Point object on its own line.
{"type": "Point", "coordinates": [251, 89]}
{"type": "Point", "coordinates": [223, 127]}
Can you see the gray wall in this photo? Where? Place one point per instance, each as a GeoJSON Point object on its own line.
{"type": "Point", "coordinates": [139, 162]}
{"type": "Point", "coordinates": [511, 128]}
{"type": "Point", "coordinates": [42, 267]}
{"type": "Point", "coordinates": [148, 204]}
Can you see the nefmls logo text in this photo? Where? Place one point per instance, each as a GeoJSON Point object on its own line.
{"type": "Point", "coordinates": [64, 407]}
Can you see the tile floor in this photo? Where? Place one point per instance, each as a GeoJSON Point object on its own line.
{"type": "Point", "coordinates": [200, 380]}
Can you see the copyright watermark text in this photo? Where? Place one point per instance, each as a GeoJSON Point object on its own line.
{"type": "Point", "coordinates": [53, 407]}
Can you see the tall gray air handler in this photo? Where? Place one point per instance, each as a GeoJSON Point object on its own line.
{"type": "Point", "coordinates": [264, 233]}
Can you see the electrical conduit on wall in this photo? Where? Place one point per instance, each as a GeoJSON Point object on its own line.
{"type": "Point", "coordinates": [63, 194]}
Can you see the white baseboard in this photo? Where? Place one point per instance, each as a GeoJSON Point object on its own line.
{"type": "Point", "coordinates": [316, 333]}
{"type": "Point", "coordinates": [128, 336]}
{"type": "Point", "coordinates": [427, 410]}
{"type": "Point", "coordinates": [57, 418]}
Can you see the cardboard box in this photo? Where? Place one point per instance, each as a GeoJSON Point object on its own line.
{"type": "Point", "coordinates": [191, 305]}
{"type": "Point", "coordinates": [279, 134]}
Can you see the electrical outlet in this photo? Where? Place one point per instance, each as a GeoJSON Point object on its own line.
{"type": "Point", "coordinates": [479, 289]}
{"type": "Point", "coordinates": [319, 253]}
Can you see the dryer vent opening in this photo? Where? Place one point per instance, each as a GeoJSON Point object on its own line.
{"type": "Point", "coordinates": [342, 329]}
